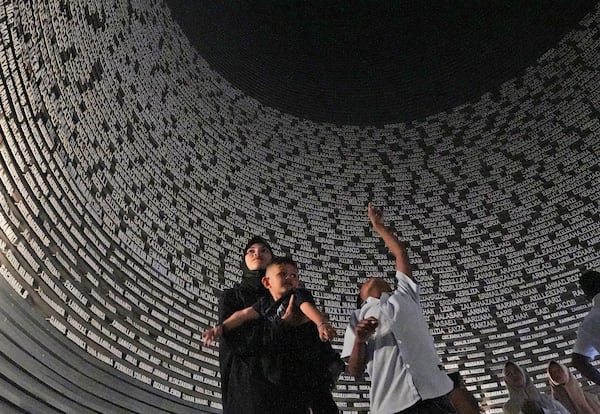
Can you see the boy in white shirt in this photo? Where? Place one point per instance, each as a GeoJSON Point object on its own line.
{"type": "Point", "coordinates": [389, 337]}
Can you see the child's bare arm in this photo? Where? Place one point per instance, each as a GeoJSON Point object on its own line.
{"type": "Point", "coordinates": [236, 320]}
{"type": "Point", "coordinates": [326, 331]}
{"type": "Point", "coordinates": [240, 317]}
{"type": "Point", "coordinates": [395, 246]}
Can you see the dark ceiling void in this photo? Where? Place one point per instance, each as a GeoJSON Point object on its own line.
{"type": "Point", "coordinates": [372, 62]}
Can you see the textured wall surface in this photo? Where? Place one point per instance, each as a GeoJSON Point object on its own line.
{"type": "Point", "coordinates": [132, 175]}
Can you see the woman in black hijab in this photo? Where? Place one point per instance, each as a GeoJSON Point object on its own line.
{"type": "Point", "coordinates": [272, 368]}
{"type": "Point", "coordinates": [244, 387]}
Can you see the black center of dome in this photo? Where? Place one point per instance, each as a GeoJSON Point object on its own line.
{"type": "Point", "coordinates": [372, 62]}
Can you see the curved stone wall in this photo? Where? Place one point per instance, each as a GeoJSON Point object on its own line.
{"type": "Point", "coordinates": [132, 175]}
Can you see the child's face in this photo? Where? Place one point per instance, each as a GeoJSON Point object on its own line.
{"type": "Point", "coordinates": [280, 279]}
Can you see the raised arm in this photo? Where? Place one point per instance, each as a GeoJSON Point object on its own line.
{"type": "Point", "coordinates": [326, 331]}
{"type": "Point", "coordinates": [236, 320]}
{"type": "Point", "coordinates": [395, 246]}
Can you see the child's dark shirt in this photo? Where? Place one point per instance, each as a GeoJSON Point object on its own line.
{"type": "Point", "coordinates": [273, 310]}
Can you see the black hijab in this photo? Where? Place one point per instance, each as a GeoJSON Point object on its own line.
{"type": "Point", "coordinates": [244, 386]}
{"type": "Point", "coordinates": [252, 279]}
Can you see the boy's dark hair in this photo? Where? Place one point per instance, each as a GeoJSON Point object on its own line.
{"type": "Point", "coordinates": [282, 260]}
{"type": "Point", "coordinates": [589, 282]}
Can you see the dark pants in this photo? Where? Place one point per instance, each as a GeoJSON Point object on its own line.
{"type": "Point", "coordinates": [440, 405]}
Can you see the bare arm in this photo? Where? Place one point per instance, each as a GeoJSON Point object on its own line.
{"type": "Point", "coordinates": [358, 357]}
{"type": "Point", "coordinates": [395, 246]}
{"type": "Point", "coordinates": [240, 317]}
{"type": "Point", "coordinates": [585, 367]}
{"type": "Point", "coordinates": [236, 320]}
{"type": "Point", "coordinates": [326, 331]}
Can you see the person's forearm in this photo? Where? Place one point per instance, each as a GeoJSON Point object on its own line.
{"type": "Point", "coordinates": [582, 363]}
{"type": "Point", "coordinates": [238, 318]}
{"type": "Point", "coordinates": [357, 360]}
{"type": "Point", "coordinates": [389, 238]}
{"type": "Point", "coordinates": [245, 340]}
{"type": "Point", "coordinates": [314, 314]}
{"type": "Point", "coordinates": [396, 248]}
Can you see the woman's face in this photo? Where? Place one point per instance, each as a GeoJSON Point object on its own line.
{"type": "Point", "coordinates": [258, 256]}
{"type": "Point", "coordinates": [557, 373]}
{"type": "Point", "coordinates": [513, 376]}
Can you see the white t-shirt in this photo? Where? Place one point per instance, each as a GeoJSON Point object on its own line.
{"type": "Point", "coordinates": [401, 358]}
